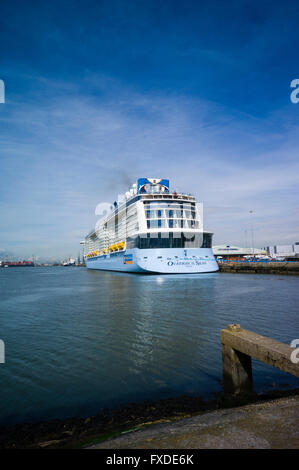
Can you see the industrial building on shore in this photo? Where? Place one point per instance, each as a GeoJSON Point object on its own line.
{"type": "Point", "coordinates": [236, 253]}
{"type": "Point", "coordinates": [288, 252]}
{"type": "Point", "coordinates": [276, 252]}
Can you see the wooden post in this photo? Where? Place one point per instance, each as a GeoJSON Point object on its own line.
{"type": "Point", "coordinates": [238, 346]}
{"type": "Point", "coordinates": [237, 369]}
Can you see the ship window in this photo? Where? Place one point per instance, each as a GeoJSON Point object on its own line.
{"type": "Point", "coordinates": [156, 223]}
{"type": "Point", "coordinates": [207, 240]}
{"type": "Point", "coordinates": [171, 214]}
{"type": "Point", "coordinates": [192, 223]}
{"type": "Point", "coordinates": [155, 214]}
{"type": "Point", "coordinates": [178, 214]}
{"type": "Point", "coordinates": [175, 240]}
{"type": "Point", "coordinates": [177, 223]}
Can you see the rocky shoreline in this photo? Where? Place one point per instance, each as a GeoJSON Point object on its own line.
{"type": "Point", "coordinates": [81, 432]}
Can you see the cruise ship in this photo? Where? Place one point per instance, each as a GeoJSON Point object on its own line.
{"type": "Point", "coordinates": [151, 230]}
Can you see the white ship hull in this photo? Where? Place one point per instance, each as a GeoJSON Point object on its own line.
{"type": "Point", "coordinates": [163, 261]}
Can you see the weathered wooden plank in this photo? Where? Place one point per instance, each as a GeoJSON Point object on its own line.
{"type": "Point", "coordinates": [264, 349]}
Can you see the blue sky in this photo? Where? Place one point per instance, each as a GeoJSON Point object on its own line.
{"type": "Point", "coordinates": [99, 93]}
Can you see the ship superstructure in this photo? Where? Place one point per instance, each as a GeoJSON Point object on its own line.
{"type": "Point", "coordinates": [151, 229]}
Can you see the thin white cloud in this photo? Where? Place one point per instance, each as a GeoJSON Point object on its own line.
{"type": "Point", "coordinates": [69, 152]}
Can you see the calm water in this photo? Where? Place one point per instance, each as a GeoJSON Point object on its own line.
{"type": "Point", "coordinates": [79, 340]}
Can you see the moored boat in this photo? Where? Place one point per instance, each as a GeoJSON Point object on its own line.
{"type": "Point", "coordinates": [151, 230]}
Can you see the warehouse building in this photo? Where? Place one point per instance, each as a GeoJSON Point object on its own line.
{"type": "Point", "coordinates": [231, 252]}
{"type": "Point", "coordinates": [287, 252]}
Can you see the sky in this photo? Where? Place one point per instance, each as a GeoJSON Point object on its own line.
{"type": "Point", "coordinates": [100, 93]}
